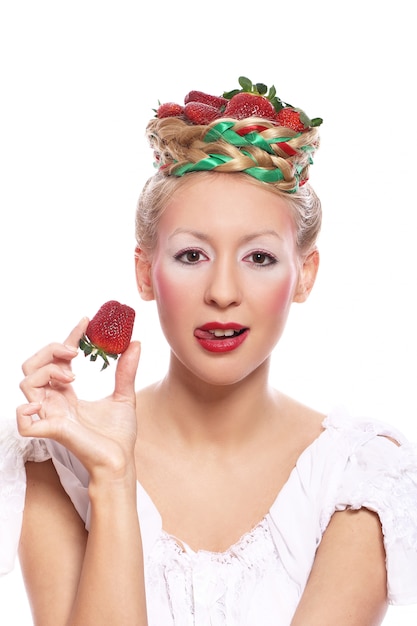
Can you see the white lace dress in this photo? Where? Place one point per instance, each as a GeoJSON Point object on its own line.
{"type": "Point", "coordinates": [260, 579]}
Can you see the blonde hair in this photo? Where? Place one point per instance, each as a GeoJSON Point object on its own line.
{"type": "Point", "coordinates": [176, 143]}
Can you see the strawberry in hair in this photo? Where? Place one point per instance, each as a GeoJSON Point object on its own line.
{"type": "Point", "coordinates": [169, 109]}
{"type": "Point", "coordinates": [253, 100]}
{"type": "Point", "coordinates": [296, 119]}
{"type": "Point", "coordinates": [201, 113]}
{"type": "Point", "coordinates": [199, 96]}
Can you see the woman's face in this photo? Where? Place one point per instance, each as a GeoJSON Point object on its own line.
{"type": "Point", "coordinates": [224, 274]}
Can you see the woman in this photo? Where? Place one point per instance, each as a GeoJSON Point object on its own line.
{"type": "Point", "coordinates": [211, 497]}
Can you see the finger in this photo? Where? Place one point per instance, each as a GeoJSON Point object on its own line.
{"type": "Point", "coordinates": [57, 351]}
{"type": "Point", "coordinates": [31, 424]}
{"type": "Point", "coordinates": [24, 417]}
{"type": "Point", "coordinates": [81, 441]}
{"type": "Point", "coordinates": [126, 372]}
{"type": "Point", "coordinates": [51, 352]}
{"type": "Point", "coordinates": [52, 375]}
{"type": "Point", "coordinates": [77, 332]}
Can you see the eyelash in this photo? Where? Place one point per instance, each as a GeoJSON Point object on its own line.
{"type": "Point", "coordinates": [270, 258]}
{"type": "Point", "coordinates": [266, 256]}
{"type": "Point", "coordinates": [182, 253]}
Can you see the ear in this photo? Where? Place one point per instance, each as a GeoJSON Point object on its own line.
{"type": "Point", "coordinates": [143, 274]}
{"type": "Point", "coordinates": [307, 276]}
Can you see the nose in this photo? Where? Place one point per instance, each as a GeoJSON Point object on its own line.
{"type": "Point", "coordinates": [223, 286]}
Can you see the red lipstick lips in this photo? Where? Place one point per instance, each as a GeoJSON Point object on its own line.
{"type": "Point", "coordinates": [221, 337]}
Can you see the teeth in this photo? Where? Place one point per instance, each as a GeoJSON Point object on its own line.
{"type": "Point", "coordinates": [218, 332]}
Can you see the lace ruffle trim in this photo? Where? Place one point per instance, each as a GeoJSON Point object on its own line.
{"type": "Point", "coordinates": [386, 485]}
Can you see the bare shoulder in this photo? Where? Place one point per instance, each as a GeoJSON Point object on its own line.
{"type": "Point", "coordinates": [300, 417]}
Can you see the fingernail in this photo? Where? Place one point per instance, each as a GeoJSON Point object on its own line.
{"type": "Point", "coordinates": [32, 408]}
{"type": "Point", "coordinates": [71, 349]}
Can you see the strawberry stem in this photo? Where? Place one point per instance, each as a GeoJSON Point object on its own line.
{"type": "Point", "coordinates": [93, 351]}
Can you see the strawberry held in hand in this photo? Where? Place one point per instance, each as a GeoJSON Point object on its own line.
{"type": "Point", "coordinates": [109, 332]}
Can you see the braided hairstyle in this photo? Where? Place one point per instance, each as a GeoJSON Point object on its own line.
{"type": "Point", "coordinates": [246, 145]}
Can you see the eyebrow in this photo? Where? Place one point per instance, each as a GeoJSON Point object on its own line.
{"type": "Point", "coordinates": [203, 237]}
{"type": "Point", "coordinates": [195, 233]}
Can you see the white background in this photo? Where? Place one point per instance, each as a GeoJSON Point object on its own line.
{"type": "Point", "coordinates": [79, 81]}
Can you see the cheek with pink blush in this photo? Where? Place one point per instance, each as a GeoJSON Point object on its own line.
{"type": "Point", "coordinates": [171, 292]}
{"type": "Point", "coordinates": [280, 297]}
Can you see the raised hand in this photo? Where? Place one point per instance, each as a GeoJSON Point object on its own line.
{"type": "Point", "coordinates": [101, 434]}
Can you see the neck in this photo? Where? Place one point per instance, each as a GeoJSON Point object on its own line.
{"type": "Point", "coordinates": [200, 412]}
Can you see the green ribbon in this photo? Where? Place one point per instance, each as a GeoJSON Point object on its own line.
{"type": "Point", "coordinates": [209, 163]}
{"type": "Point", "coordinates": [214, 160]}
{"type": "Point", "coordinates": [224, 130]}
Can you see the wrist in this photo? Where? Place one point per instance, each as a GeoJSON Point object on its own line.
{"type": "Point", "coordinates": [114, 480]}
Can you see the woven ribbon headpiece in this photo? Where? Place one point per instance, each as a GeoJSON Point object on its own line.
{"type": "Point", "coordinates": [242, 139]}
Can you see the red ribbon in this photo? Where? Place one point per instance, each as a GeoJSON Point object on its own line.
{"type": "Point", "coordinates": [287, 148]}
{"type": "Point", "coordinates": [251, 129]}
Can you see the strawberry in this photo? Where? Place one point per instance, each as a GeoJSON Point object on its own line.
{"type": "Point", "coordinates": [251, 101]}
{"type": "Point", "coordinates": [109, 332]}
{"type": "Point", "coordinates": [244, 105]}
{"type": "Point", "coordinates": [199, 96]}
{"type": "Point", "coordinates": [201, 113]}
{"type": "Point", "coordinates": [296, 119]}
{"type": "Point", "coordinates": [169, 109]}
{"type": "Point", "coordinates": [290, 118]}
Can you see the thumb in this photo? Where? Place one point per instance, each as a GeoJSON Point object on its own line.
{"type": "Point", "coordinates": [126, 372]}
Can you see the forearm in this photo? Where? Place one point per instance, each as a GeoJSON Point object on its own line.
{"type": "Point", "coordinates": [111, 590]}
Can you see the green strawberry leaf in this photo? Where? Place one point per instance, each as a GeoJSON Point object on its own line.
{"type": "Point", "coordinates": [316, 121]}
{"type": "Point", "coordinates": [245, 83]}
{"type": "Point", "coordinates": [229, 94]}
{"type": "Point", "coordinates": [277, 103]}
{"type": "Point", "coordinates": [85, 345]}
{"type": "Point", "coordinates": [307, 121]}
{"type": "Point", "coordinates": [272, 93]}
{"type": "Point", "coordinates": [261, 88]}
